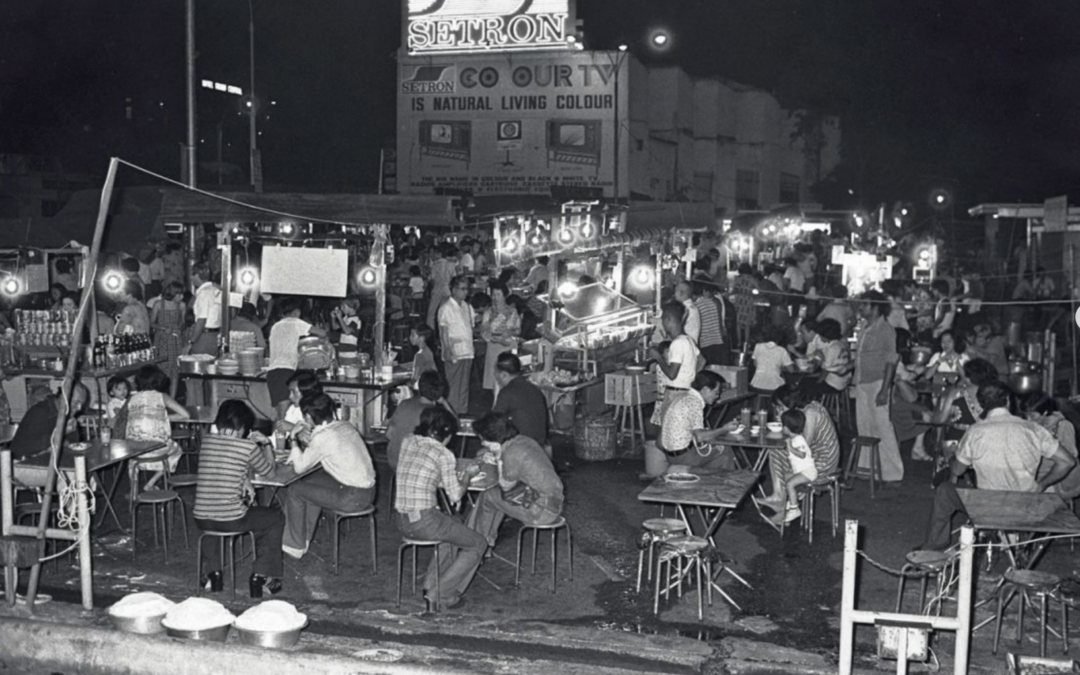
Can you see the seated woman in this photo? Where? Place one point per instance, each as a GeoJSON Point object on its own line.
{"type": "Point", "coordinates": [223, 493]}
{"type": "Point", "coordinates": [1039, 407]}
{"type": "Point", "coordinates": [425, 466]}
{"type": "Point", "coordinates": [771, 360]}
{"type": "Point", "coordinates": [820, 435]}
{"type": "Point", "coordinates": [301, 383]}
{"type": "Point", "coordinates": [834, 361]}
{"type": "Point", "coordinates": [908, 415]}
{"type": "Point", "coordinates": [347, 483]}
{"type": "Point", "coordinates": [529, 489]}
{"type": "Point", "coordinates": [959, 405]}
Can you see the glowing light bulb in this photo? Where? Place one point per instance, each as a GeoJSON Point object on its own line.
{"type": "Point", "coordinates": [11, 286]}
{"type": "Point", "coordinates": [247, 277]}
{"type": "Point", "coordinates": [113, 281]}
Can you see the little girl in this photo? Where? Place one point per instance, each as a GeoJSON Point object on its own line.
{"type": "Point", "coordinates": [803, 469]}
{"type": "Point", "coordinates": [150, 411]}
{"type": "Point", "coordinates": [423, 338]}
{"type": "Point", "coordinates": [119, 389]}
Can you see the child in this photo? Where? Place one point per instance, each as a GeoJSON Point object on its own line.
{"type": "Point", "coordinates": [119, 389]}
{"type": "Point", "coordinates": [416, 281]}
{"type": "Point", "coordinates": [771, 360]}
{"type": "Point", "coordinates": [423, 338]}
{"type": "Point", "coordinates": [803, 469]}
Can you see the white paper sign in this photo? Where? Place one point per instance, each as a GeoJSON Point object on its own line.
{"type": "Point", "coordinates": [305, 271]}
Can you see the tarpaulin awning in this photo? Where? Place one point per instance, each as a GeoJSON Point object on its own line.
{"type": "Point", "coordinates": [183, 206]}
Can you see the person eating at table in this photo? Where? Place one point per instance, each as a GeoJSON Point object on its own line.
{"type": "Point", "coordinates": [1006, 452]}
{"type": "Point", "coordinates": [683, 436]}
{"type": "Point", "coordinates": [820, 435]}
{"type": "Point", "coordinates": [528, 489]}
{"type": "Point", "coordinates": [346, 485]}
{"type": "Point", "coordinates": [300, 383]}
{"type": "Point", "coordinates": [426, 465]}
{"type": "Point", "coordinates": [521, 399]}
{"type": "Point", "coordinates": [430, 391]}
{"type": "Point", "coordinates": [223, 492]}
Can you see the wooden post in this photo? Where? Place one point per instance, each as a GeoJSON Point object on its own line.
{"type": "Point", "coordinates": [847, 596]}
{"type": "Point", "coordinates": [86, 573]}
{"type": "Point", "coordinates": [66, 388]}
{"type": "Point", "coordinates": [964, 591]}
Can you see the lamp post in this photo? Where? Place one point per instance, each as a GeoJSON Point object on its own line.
{"type": "Point", "coordinates": [189, 7]}
{"type": "Point", "coordinates": [255, 167]}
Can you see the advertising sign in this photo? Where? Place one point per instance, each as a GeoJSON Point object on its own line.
{"type": "Point", "coordinates": [522, 124]}
{"type": "Point", "coordinates": [464, 26]}
{"type": "Point", "coordinates": [1056, 213]}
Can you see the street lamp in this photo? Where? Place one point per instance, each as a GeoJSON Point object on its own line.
{"type": "Point", "coordinates": [255, 167]}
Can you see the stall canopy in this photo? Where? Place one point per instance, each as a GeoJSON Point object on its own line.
{"type": "Point", "coordinates": [183, 206]}
{"type": "Point", "coordinates": [133, 220]}
{"type": "Point", "coordinates": [670, 215]}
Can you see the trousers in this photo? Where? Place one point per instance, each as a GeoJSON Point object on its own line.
{"type": "Point", "coordinates": [946, 505]}
{"type": "Point", "coordinates": [267, 524]}
{"type": "Point", "coordinates": [306, 498]}
{"type": "Point", "coordinates": [460, 551]}
{"type": "Point", "coordinates": [874, 420]}
{"type": "Point", "coordinates": [457, 377]}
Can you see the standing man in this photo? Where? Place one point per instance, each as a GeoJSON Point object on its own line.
{"type": "Point", "coordinates": [684, 293]}
{"type": "Point", "coordinates": [711, 340]}
{"type": "Point", "coordinates": [207, 309]}
{"type": "Point", "coordinates": [456, 321]}
{"type": "Point", "coordinates": [875, 366]}
{"type": "Point", "coordinates": [521, 400]}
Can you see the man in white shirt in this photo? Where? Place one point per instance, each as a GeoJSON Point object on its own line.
{"type": "Point", "coordinates": [207, 310]}
{"type": "Point", "coordinates": [684, 293]}
{"type": "Point", "coordinates": [675, 369]}
{"type": "Point", "coordinates": [284, 349]}
{"type": "Point", "coordinates": [456, 329]}
{"type": "Point", "coordinates": [684, 426]}
{"type": "Point", "coordinates": [466, 262]}
{"type": "Point", "coordinates": [538, 272]}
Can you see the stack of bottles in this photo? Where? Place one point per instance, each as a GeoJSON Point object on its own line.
{"type": "Point", "coordinates": [119, 351]}
{"type": "Point", "coordinates": [43, 327]}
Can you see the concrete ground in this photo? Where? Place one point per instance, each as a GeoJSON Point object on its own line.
{"type": "Point", "coordinates": [787, 623]}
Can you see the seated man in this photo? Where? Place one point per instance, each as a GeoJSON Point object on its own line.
{"type": "Point", "coordinates": [430, 391]}
{"type": "Point", "coordinates": [347, 484]}
{"type": "Point", "coordinates": [684, 424]}
{"type": "Point", "coordinates": [520, 399]}
{"type": "Point", "coordinates": [37, 425]}
{"type": "Point", "coordinates": [529, 489]}
{"type": "Point", "coordinates": [1006, 452]}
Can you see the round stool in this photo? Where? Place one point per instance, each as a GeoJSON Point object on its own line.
{"type": "Point", "coordinates": [416, 544]}
{"type": "Point", "coordinates": [1027, 583]}
{"type": "Point", "coordinates": [339, 516]}
{"type": "Point", "coordinates": [657, 530]}
{"type": "Point", "coordinates": [154, 499]}
{"type": "Point", "coordinates": [228, 539]}
{"type": "Point", "coordinates": [926, 564]}
{"type": "Point", "coordinates": [553, 528]}
{"type": "Point", "coordinates": [687, 552]}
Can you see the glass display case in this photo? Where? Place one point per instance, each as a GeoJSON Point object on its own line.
{"type": "Point", "coordinates": [597, 330]}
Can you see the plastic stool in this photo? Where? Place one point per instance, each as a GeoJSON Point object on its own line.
{"type": "Point", "coordinates": [927, 564]}
{"type": "Point", "coordinates": [852, 470]}
{"type": "Point", "coordinates": [229, 540]}
{"type": "Point", "coordinates": [335, 533]}
{"type": "Point", "coordinates": [1042, 585]}
{"type": "Point", "coordinates": [553, 528]}
{"type": "Point", "coordinates": [417, 544]}
{"type": "Point", "coordinates": [657, 531]}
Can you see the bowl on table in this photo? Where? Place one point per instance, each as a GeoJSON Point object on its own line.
{"type": "Point", "coordinates": [755, 430]}
{"type": "Point", "coordinates": [774, 427]}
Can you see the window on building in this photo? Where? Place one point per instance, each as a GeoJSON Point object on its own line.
{"type": "Point", "coordinates": [789, 188]}
{"type": "Point", "coordinates": [747, 189]}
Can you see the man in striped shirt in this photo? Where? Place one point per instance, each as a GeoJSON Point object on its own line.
{"type": "Point", "coordinates": [711, 341]}
{"type": "Point", "coordinates": [221, 497]}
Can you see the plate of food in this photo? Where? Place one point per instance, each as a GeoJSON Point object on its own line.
{"type": "Point", "coordinates": [681, 478]}
{"type": "Point", "coordinates": [735, 431]}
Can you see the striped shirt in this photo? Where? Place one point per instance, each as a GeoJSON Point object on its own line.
{"type": "Point", "coordinates": [425, 465]}
{"type": "Point", "coordinates": [820, 433]}
{"type": "Point", "coordinates": [223, 465]}
{"type": "Point", "coordinates": [711, 328]}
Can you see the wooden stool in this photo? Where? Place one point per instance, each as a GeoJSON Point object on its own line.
{"type": "Point", "coordinates": [553, 528]}
{"type": "Point", "coordinates": [415, 544]}
{"type": "Point", "coordinates": [926, 564]}
{"type": "Point", "coordinates": [852, 470]}
{"type": "Point", "coordinates": [1027, 583]}
{"type": "Point", "coordinates": [657, 531]}
{"type": "Point", "coordinates": [339, 516]}
{"type": "Point", "coordinates": [228, 539]}
{"type": "Point", "coordinates": [628, 394]}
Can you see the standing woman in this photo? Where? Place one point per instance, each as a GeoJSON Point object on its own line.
{"type": "Point", "coordinates": [133, 317]}
{"type": "Point", "coordinates": [442, 271]}
{"type": "Point", "coordinates": [167, 318]}
{"type": "Point", "coordinates": [875, 367]}
{"type": "Point", "coordinates": [499, 327]}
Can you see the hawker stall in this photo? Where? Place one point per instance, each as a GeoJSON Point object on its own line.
{"type": "Point", "coordinates": [597, 330]}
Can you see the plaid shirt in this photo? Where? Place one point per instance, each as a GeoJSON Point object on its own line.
{"type": "Point", "coordinates": [425, 465]}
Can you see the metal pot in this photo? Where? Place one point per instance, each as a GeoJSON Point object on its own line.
{"type": "Point", "coordinates": [920, 356]}
{"type": "Point", "coordinates": [1021, 367]}
{"type": "Point", "coordinates": [1025, 383]}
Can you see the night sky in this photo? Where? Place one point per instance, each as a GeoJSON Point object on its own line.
{"type": "Point", "coordinates": [977, 96]}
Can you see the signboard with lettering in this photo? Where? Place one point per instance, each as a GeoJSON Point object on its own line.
{"type": "Point", "coordinates": [1056, 213]}
{"type": "Point", "coordinates": [521, 124]}
{"type": "Point", "coordinates": [463, 26]}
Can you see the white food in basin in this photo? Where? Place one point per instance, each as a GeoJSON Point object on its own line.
{"type": "Point", "coordinates": [139, 605]}
{"type": "Point", "coordinates": [271, 616]}
{"type": "Point", "coordinates": [198, 614]}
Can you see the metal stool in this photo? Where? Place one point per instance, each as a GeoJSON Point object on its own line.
{"type": "Point", "coordinates": [852, 470]}
{"type": "Point", "coordinates": [926, 564]}
{"type": "Point", "coordinates": [657, 531]}
{"type": "Point", "coordinates": [229, 539]}
{"type": "Point", "coordinates": [339, 516]}
{"type": "Point", "coordinates": [553, 528]}
{"type": "Point", "coordinates": [186, 436]}
{"type": "Point", "coordinates": [163, 498]}
{"type": "Point", "coordinates": [808, 495]}
{"type": "Point", "coordinates": [416, 544]}
{"type": "Point", "coordinates": [688, 554]}
{"type": "Point", "coordinates": [1025, 583]}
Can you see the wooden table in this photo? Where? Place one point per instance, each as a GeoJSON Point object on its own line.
{"type": "Point", "coordinates": [284, 476]}
{"type": "Point", "coordinates": [720, 491]}
{"type": "Point", "coordinates": [1027, 513]}
{"type": "Point", "coordinates": [200, 414]}
{"type": "Point", "coordinates": [763, 442]}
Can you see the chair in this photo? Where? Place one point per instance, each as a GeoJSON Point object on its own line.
{"type": "Point", "coordinates": [808, 495]}
{"type": "Point", "coordinates": [1026, 583]}
{"type": "Point", "coordinates": [852, 470]}
{"type": "Point", "coordinates": [163, 498]}
{"type": "Point", "coordinates": [339, 516]}
{"type": "Point", "coordinates": [657, 531]}
{"type": "Point", "coordinates": [553, 528]}
{"type": "Point", "coordinates": [228, 539]}
{"type": "Point", "coordinates": [926, 564]}
{"type": "Point", "coordinates": [416, 544]}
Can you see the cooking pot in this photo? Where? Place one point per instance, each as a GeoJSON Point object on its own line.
{"type": "Point", "coordinates": [1025, 383]}
{"type": "Point", "coordinates": [1022, 367]}
{"type": "Point", "coordinates": [315, 353]}
{"type": "Point", "coordinates": [920, 356]}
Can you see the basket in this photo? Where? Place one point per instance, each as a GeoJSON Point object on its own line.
{"type": "Point", "coordinates": [595, 438]}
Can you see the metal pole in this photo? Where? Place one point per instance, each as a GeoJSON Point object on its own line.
{"type": "Point", "coordinates": [226, 291]}
{"type": "Point", "coordinates": [86, 572]}
{"type": "Point", "coordinates": [1072, 313]}
{"type": "Point", "coordinates": [847, 597]}
{"type": "Point", "coordinates": [256, 175]}
{"type": "Point", "coordinates": [963, 601]}
{"type": "Point", "coordinates": [189, 6]}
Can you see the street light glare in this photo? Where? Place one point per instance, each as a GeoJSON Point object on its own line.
{"type": "Point", "coordinates": [660, 39]}
{"type": "Point", "coordinates": [622, 48]}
